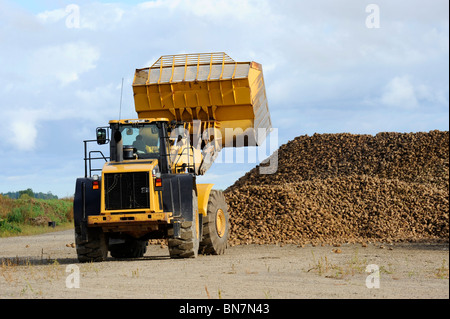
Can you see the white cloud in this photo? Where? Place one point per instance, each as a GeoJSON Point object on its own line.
{"type": "Point", "coordinates": [433, 96]}
{"type": "Point", "coordinates": [157, 4]}
{"type": "Point", "coordinates": [93, 16]}
{"type": "Point", "coordinates": [246, 11]}
{"type": "Point", "coordinates": [23, 134]}
{"type": "Point", "coordinates": [21, 129]}
{"type": "Point", "coordinates": [64, 62]}
{"type": "Point", "coordinates": [399, 92]}
{"type": "Point", "coordinates": [52, 16]}
{"type": "Point", "coordinates": [404, 92]}
{"type": "Point", "coordinates": [98, 102]}
{"type": "Point", "coordinates": [101, 16]}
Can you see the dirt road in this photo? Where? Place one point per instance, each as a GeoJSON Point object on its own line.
{"type": "Point", "coordinates": [44, 266]}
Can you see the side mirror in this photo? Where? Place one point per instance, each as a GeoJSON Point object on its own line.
{"type": "Point", "coordinates": [101, 136]}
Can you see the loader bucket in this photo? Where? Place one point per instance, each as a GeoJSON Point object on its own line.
{"type": "Point", "coordinates": [209, 87]}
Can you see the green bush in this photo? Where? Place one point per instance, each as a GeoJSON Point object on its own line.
{"type": "Point", "coordinates": [6, 226]}
{"type": "Point", "coordinates": [37, 210]}
{"type": "Point", "coordinates": [16, 215]}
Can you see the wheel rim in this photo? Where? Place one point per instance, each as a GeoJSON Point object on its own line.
{"type": "Point", "coordinates": [220, 223]}
{"type": "Point", "coordinates": [197, 228]}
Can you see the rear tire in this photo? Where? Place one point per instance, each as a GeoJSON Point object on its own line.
{"type": "Point", "coordinates": [95, 249]}
{"type": "Point", "coordinates": [131, 248]}
{"type": "Point", "coordinates": [216, 226]}
{"type": "Point", "coordinates": [188, 244]}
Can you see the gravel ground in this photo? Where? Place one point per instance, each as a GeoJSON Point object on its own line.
{"type": "Point", "coordinates": [44, 266]}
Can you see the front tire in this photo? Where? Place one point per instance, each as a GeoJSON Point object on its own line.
{"type": "Point", "coordinates": [216, 225]}
{"type": "Point", "coordinates": [188, 244]}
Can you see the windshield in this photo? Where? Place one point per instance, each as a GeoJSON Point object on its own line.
{"type": "Point", "coordinates": [143, 137]}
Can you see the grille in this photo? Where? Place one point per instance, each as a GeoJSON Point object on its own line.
{"type": "Point", "coordinates": [127, 191]}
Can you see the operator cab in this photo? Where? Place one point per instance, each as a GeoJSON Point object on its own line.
{"type": "Point", "coordinates": [145, 139]}
{"type": "Point", "coordinates": [140, 139]}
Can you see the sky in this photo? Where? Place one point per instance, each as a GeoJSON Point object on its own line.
{"type": "Point", "coordinates": [329, 66]}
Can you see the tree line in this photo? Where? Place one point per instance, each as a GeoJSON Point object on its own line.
{"type": "Point", "coordinates": [29, 192]}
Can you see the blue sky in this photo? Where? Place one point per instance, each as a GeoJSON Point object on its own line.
{"type": "Point", "coordinates": [325, 71]}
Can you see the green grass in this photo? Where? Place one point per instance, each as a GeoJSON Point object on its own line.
{"type": "Point", "coordinates": [30, 216]}
{"type": "Point", "coordinates": [442, 272]}
{"type": "Point", "coordinates": [350, 267]}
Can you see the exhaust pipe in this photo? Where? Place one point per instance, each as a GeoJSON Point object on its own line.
{"type": "Point", "coordinates": [119, 146]}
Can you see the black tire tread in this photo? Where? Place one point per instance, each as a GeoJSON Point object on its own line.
{"type": "Point", "coordinates": [93, 250]}
{"type": "Point", "coordinates": [132, 248]}
{"type": "Point", "coordinates": [187, 246]}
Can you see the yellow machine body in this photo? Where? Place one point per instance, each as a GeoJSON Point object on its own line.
{"type": "Point", "coordinates": [140, 221]}
{"type": "Point", "coordinates": [211, 88]}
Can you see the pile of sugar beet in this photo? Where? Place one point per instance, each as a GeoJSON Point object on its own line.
{"type": "Point", "coordinates": [346, 188]}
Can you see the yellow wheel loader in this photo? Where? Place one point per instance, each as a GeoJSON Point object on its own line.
{"type": "Point", "coordinates": [189, 107]}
